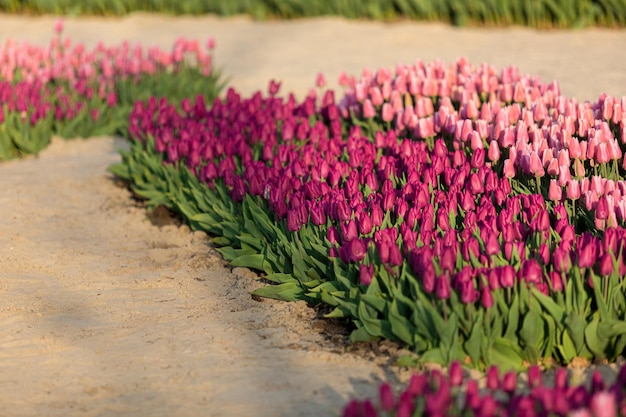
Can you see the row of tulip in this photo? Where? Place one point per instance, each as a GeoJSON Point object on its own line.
{"type": "Point", "coordinates": [435, 394]}
{"type": "Point", "coordinates": [539, 13]}
{"type": "Point", "coordinates": [512, 122]}
{"type": "Point", "coordinates": [429, 243]}
{"type": "Point", "coordinates": [71, 91]}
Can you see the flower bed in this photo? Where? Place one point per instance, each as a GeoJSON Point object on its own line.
{"type": "Point", "coordinates": [435, 394]}
{"type": "Point", "coordinates": [70, 91]}
{"type": "Point", "coordinates": [445, 207]}
{"type": "Point", "coordinates": [471, 214]}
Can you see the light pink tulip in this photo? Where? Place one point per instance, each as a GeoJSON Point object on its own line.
{"type": "Point", "coordinates": [555, 192]}
{"type": "Point", "coordinates": [573, 190]}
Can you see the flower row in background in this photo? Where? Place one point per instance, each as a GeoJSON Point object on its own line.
{"type": "Point", "coordinates": [435, 394]}
{"type": "Point", "coordinates": [71, 91]}
{"type": "Point", "coordinates": [539, 13]}
{"type": "Point", "coordinates": [412, 232]}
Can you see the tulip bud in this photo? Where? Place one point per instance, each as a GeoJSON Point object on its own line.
{"type": "Point", "coordinates": [509, 382]}
{"type": "Point", "coordinates": [332, 235]}
{"type": "Point", "coordinates": [443, 287]}
{"type": "Point", "coordinates": [555, 192]}
{"type": "Point", "coordinates": [478, 159]}
{"type": "Point", "coordinates": [355, 250]}
{"type": "Point", "coordinates": [387, 112]}
{"type": "Point", "coordinates": [486, 298]}
{"type": "Point", "coordinates": [366, 273]}
{"type": "Point", "coordinates": [606, 265]}
{"type": "Point", "coordinates": [507, 276]}
{"type": "Point", "coordinates": [395, 256]}
{"type": "Point", "coordinates": [534, 377]}
{"type": "Point", "coordinates": [386, 397]}
{"type": "Point", "coordinates": [492, 245]}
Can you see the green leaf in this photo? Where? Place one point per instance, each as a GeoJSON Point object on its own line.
{"type": "Point", "coordinates": [372, 325]}
{"type": "Point", "coordinates": [599, 297]}
{"type": "Point", "coordinates": [409, 361]}
{"type": "Point", "coordinates": [532, 335]}
{"type": "Point", "coordinates": [435, 355]}
{"type": "Point", "coordinates": [612, 328]}
{"type": "Point", "coordinates": [473, 343]}
{"type": "Point", "coordinates": [286, 292]}
{"type": "Point", "coordinates": [556, 311]}
{"type": "Point", "coordinates": [513, 320]}
{"type": "Point", "coordinates": [400, 326]}
{"type": "Point", "coordinates": [361, 335]}
{"type": "Point", "coordinates": [567, 349]}
{"type": "Point", "coordinates": [506, 354]}
{"type": "Point", "coordinates": [596, 344]}
{"type": "Point", "coordinates": [255, 261]}
{"type": "Point", "coordinates": [280, 278]}
{"type": "Point", "coordinates": [575, 326]}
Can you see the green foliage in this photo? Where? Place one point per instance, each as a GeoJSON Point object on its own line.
{"type": "Point", "coordinates": [534, 13]}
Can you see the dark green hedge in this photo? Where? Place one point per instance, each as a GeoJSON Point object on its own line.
{"type": "Point", "coordinates": [534, 13]}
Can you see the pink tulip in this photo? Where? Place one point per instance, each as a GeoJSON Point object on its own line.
{"type": "Point", "coordinates": [58, 26]}
{"type": "Point", "coordinates": [387, 112]}
{"type": "Point", "coordinates": [320, 81]}
{"type": "Point", "coordinates": [494, 151]}
{"type": "Point", "coordinates": [536, 168]}
{"type": "Point", "coordinates": [555, 192]}
{"type": "Point", "coordinates": [368, 109]}
{"type": "Point", "coordinates": [603, 404]}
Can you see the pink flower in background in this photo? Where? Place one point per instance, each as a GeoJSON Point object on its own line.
{"type": "Point", "coordinates": [320, 81]}
{"type": "Point", "coordinates": [58, 26]}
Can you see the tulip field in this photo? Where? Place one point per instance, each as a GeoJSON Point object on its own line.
{"type": "Point", "coordinates": [472, 214]}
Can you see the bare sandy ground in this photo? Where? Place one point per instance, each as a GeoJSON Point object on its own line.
{"type": "Point", "coordinates": [106, 311]}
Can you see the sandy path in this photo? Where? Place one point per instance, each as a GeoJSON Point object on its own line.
{"type": "Point", "coordinates": [104, 313]}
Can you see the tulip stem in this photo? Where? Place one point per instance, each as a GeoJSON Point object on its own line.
{"type": "Point", "coordinates": [538, 183]}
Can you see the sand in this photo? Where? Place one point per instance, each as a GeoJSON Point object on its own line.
{"type": "Point", "coordinates": [106, 310]}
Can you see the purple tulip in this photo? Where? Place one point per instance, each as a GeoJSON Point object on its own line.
{"type": "Point", "coordinates": [493, 381]}
{"type": "Point", "coordinates": [478, 159]}
{"type": "Point", "coordinates": [332, 235]}
{"type": "Point", "coordinates": [365, 224]}
{"type": "Point", "coordinates": [492, 245]}
{"type": "Point", "coordinates": [387, 400]}
{"type": "Point", "coordinates": [486, 297]}
{"type": "Point", "coordinates": [531, 271]}
{"type": "Point", "coordinates": [509, 382]}
{"type": "Point", "coordinates": [443, 287]}
{"type": "Point", "coordinates": [447, 260]}
{"type": "Point", "coordinates": [586, 254]}
{"type": "Point", "coordinates": [366, 273]}
{"type": "Point", "coordinates": [606, 265]}
{"type": "Point", "coordinates": [561, 379]}
{"type": "Point", "coordinates": [455, 374]}
{"type": "Point", "coordinates": [597, 382]}
{"type": "Point", "coordinates": [561, 260]}
{"type": "Point", "coordinates": [342, 211]}
{"type": "Point", "coordinates": [556, 281]}
{"type": "Point", "coordinates": [443, 219]}
{"type": "Point", "coordinates": [472, 395]}
{"type": "Point", "coordinates": [471, 246]}
{"type": "Point", "coordinates": [534, 377]}
{"type": "Point", "coordinates": [353, 251]}
{"type": "Point", "coordinates": [348, 231]}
